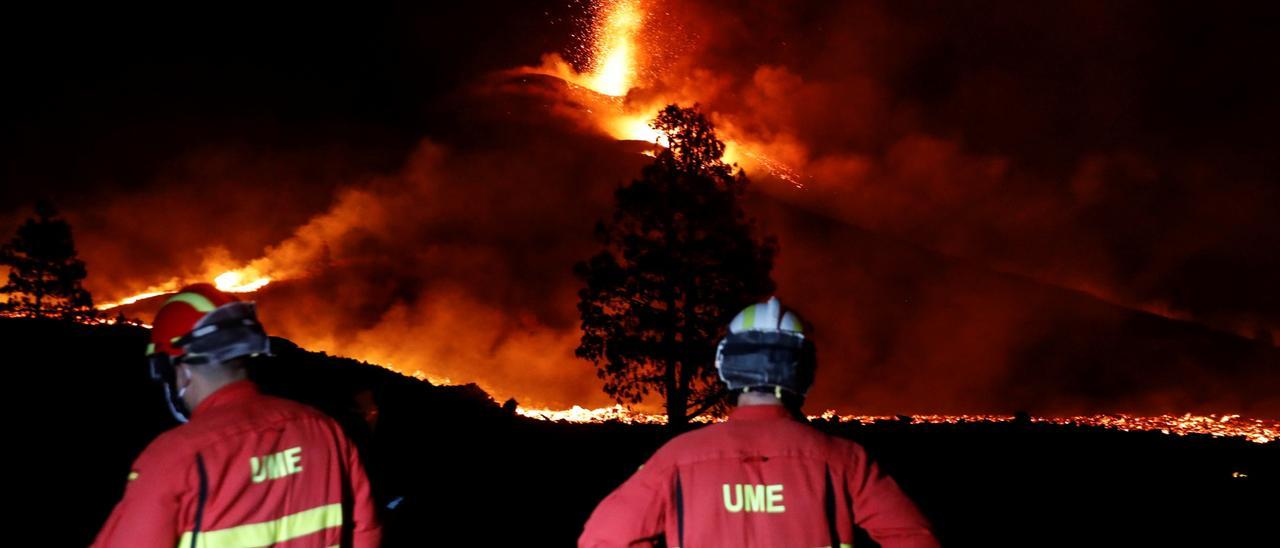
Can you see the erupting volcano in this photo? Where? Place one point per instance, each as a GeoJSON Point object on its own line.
{"type": "Point", "coordinates": [953, 277]}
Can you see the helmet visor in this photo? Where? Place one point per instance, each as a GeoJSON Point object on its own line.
{"type": "Point", "coordinates": [767, 358]}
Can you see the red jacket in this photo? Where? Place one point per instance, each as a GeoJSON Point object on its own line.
{"type": "Point", "coordinates": [758, 479]}
{"type": "Point", "coordinates": [270, 472]}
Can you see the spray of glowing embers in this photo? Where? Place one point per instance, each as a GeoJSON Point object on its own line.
{"type": "Point", "coordinates": [618, 52]}
{"type": "Point", "coordinates": [1224, 426]}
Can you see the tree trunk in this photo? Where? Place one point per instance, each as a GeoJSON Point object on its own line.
{"type": "Point", "coordinates": [677, 410]}
{"type": "Point", "coordinates": [677, 391]}
{"type": "Point", "coordinates": [677, 398]}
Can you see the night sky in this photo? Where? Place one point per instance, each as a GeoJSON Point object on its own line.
{"type": "Point", "coordinates": [1006, 204]}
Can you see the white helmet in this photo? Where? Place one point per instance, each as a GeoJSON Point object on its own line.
{"type": "Point", "coordinates": [766, 350]}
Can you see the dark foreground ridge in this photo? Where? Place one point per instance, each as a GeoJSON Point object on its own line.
{"type": "Point", "coordinates": [455, 465]}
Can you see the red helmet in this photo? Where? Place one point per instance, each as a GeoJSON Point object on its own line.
{"type": "Point", "coordinates": [200, 325]}
{"type": "Point", "coordinates": [180, 314]}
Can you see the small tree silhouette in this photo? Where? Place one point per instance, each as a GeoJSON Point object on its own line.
{"type": "Point", "coordinates": [680, 259]}
{"type": "Point", "coordinates": [44, 272]}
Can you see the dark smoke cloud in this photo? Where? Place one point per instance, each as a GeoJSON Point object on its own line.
{"type": "Point", "coordinates": [1121, 150]}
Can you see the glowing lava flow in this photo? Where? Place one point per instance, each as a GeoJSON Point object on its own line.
{"type": "Point", "coordinates": [636, 128]}
{"type": "Point", "coordinates": [240, 281]}
{"type": "Point", "coordinates": [1224, 426]}
{"type": "Point", "coordinates": [582, 415]}
{"type": "Point", "coordinates": [135, 298]}
{"type": "Point", "coordinates": [244, 280]}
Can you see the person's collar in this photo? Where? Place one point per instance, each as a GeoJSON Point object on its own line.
{"type": "Point", "coordinates": [759, 412]}
{"type": "Point", "coordinates": [229, 393]}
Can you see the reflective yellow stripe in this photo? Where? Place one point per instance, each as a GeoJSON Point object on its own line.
{"type": "Point", "coordinates": [749, 317]}
{"type": "Point", "coordinates": [196, 300]}
{"type": "Point", "coordinates": [269, 532]}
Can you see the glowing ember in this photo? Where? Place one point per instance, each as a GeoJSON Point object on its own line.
{"type": "Point", "coordinates": [778, 169]}
{"type": "Point", "coordinates": [1228, 426]}
{"type": "Point", "coordinates": [609, 49]}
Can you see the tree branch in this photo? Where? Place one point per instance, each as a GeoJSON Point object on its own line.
{"type": "Point", "coordinates": [708, 403]}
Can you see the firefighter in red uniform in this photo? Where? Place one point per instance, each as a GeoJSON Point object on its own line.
{"type": "Point", "coordinates": [247, 469]}
{"type": "Point", "coordinates": [761, 478]}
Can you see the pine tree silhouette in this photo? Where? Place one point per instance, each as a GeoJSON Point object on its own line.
{"type": "Point", "coordinates": [680, 259]}
{"type": "Point", "coordinates": [44, 272]}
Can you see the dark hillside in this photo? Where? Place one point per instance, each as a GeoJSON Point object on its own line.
{"type": "Point", "coordinates": [466, 469]}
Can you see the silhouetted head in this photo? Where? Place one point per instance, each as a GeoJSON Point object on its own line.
{"type": "Point", "coordinates": [766, 358]}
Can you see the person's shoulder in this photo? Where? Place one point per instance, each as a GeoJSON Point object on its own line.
{"type": "Point", "coordinates": [838, 448]}
{"type": "Point", "coordinates": [302, 415]}
{"type": "Point", "coordinates": [812, 431]}
{"type": "Point", "coordinates": [690, 444]}
{"type": "Point", "coordinates": [288, 408]}
{"type": "Point", "coordinates": [253, 413]}
{"type": "Point", "coordinates": [173, 445]}
{"type": "Point", "coordinates": [695, 436]}
{"type": "Point", "coordinates": [668, 454]}
{"type": "Point", "coordinates": [800, 437]}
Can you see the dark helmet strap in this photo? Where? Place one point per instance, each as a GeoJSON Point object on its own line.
{"type": "Point", "coordinates": [162, 370]}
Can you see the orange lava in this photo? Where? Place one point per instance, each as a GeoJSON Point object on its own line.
{"type": "Point", "coordinates": [241, 280]}
{"type": "Point", "coordinates": [1218, 426]}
